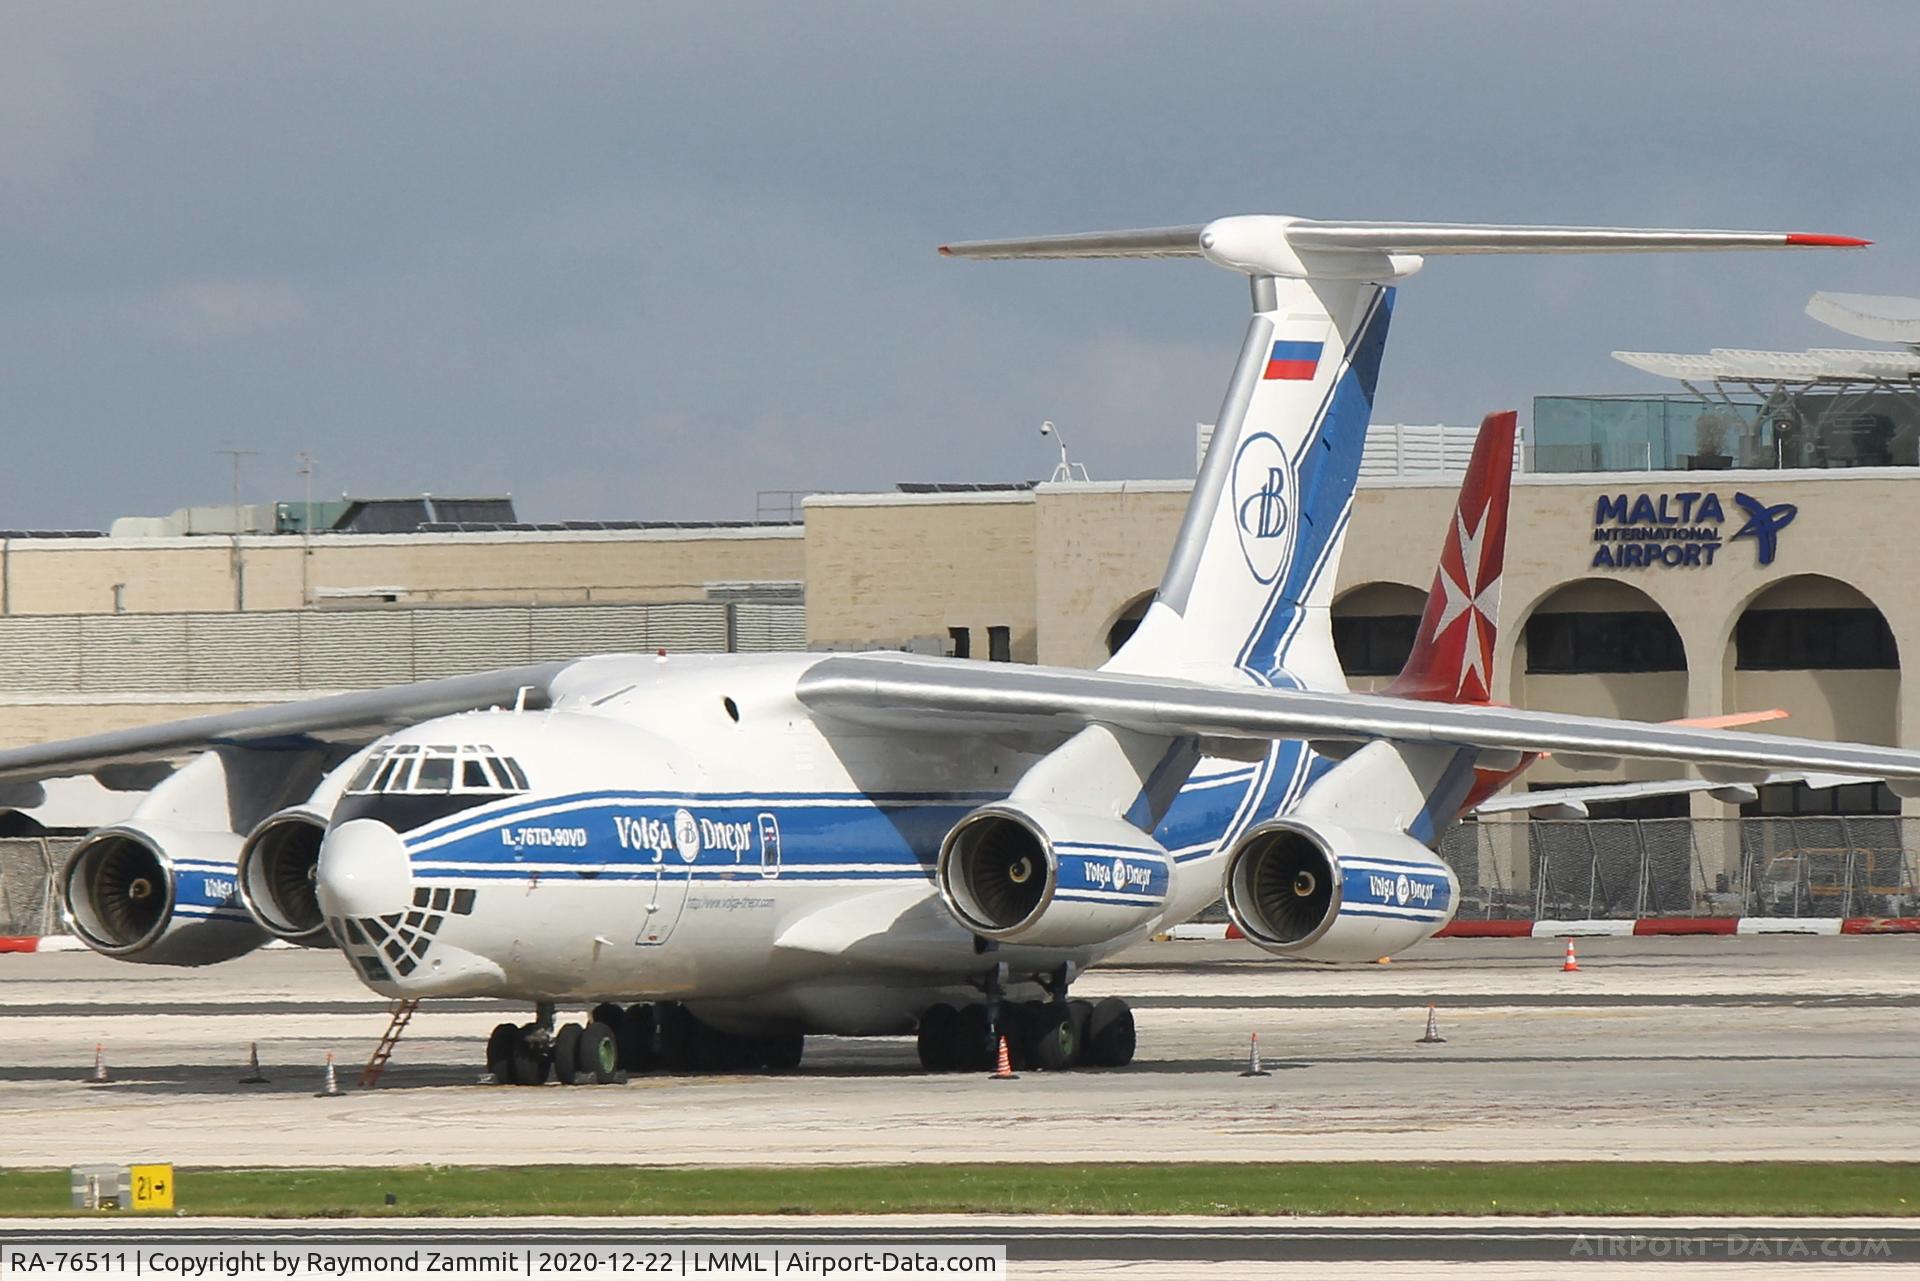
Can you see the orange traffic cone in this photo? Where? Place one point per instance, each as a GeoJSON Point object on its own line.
{"type": "Point", "coordinates": [1253, 1058]}
{"type": "Point", "coordinates": [1003, 1071]}
{"type": "Point", "coordinates": [1433, 1036]}
{"type": "Point", "coordinates": [99, 1076]}
{"type": "Point", "coordinates": [1570, 966]}
{"type": "Point", "coordinates": [330, 1088]}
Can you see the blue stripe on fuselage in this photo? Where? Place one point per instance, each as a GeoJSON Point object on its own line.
{"type": "Point", "coordinates": [822, 835]}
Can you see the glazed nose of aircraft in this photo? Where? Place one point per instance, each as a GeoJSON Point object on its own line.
{"type": "Point", "coordinates": [363, 871]}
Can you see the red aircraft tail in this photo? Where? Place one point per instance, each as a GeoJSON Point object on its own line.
{"type": "Point", "coordinates": [1452, 659]}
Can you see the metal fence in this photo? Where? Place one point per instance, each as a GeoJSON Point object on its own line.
{"type": "Point", "coordinates": [1620, 868]}
{"type": "Point", "coordinates": [27, 905]}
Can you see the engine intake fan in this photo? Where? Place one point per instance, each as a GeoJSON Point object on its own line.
{"type": "Point", "coordinates": [1033, 874]}
{"type": "Point", "coordinates": [146, 893]}
{"type": "Point", "coordinates": [1299, 887]}
{"type": "Point", "coordinates": [277, 874]}
{"type": "Point", "coordinates": [1287, 884]}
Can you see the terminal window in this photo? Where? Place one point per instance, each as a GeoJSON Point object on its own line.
{"type": "Point", "coordinates": [1627, 641]}
{"type": "Point", "coordinates": [1814, 639]}
{"type": "Point", "coordinates": [1374, 644]}
{"type": "Point", "coordinates": [999, 644]}
{"type": "Point", "coordinates": [1787, 800]}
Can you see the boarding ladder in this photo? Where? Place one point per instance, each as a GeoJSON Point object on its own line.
{"type": "Point", "coordinates": [402, 1012]}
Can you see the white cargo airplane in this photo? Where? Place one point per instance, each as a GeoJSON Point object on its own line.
{"type": "Point", "coordinates": [753, 849]}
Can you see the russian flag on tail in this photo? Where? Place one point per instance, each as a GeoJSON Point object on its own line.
{"type": "Point", "coordinates": [1293, 360]}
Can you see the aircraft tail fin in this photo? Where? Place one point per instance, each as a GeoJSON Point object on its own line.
{"type": "Point", "coordinates": [1247, 591]}
{"type": "Point", "coordinates": [1452, 658]}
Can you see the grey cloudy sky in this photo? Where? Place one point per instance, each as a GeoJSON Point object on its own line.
{"type": "Point", "coordinates": [642, 260]}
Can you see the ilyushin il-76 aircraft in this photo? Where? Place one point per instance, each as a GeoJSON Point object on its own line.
{"type": "Point", "coordinates": [721, 855]}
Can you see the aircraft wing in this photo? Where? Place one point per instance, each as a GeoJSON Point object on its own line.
{"type": "Point", "coordinates": [902, 692]}
{"type": "Point", "coordinates": [337, 717]}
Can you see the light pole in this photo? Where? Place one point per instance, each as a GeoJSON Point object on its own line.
{"type": "Point", "coordinates": [237, 564]}
{"type": "Point", "coordinates": [305, 470]}
{"type": "Point", "coordinates": [1065, 470]}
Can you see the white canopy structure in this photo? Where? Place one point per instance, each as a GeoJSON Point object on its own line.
{"type": "Point", "coordinates": [1824, 407]}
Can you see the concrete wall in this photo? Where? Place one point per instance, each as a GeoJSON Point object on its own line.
{"type": "Point", "coordinates": [1102, 547]}
{"type": "Point", "coordinates": [165, 575]}
{"type": "Point", "coordinates": [899, 570]}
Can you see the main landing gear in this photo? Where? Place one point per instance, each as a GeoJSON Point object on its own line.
{"type": "Point", "coordinates": [618, 1042]}
{"type": "Point", "coordinates": [1052, 1035]}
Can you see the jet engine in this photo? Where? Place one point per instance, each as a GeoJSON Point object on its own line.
{"type": "Point", "coordinates": [1325, 893]}
{"type": "Point", "coordinates": [142, 892]}
{"type": "Point", "coordinates": [278, 862]}
{"type": "Point", "coordinates": [164, 887]}
{"type": "Point", "coordinates": [1048, 877]}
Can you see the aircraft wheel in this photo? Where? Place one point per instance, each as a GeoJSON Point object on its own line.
{"type": "Point", "coordinates": [673, 1036]}
{"type": "Point", "coordinates": [500, 1053]}
{"type": "Point", "coordinates": [1053, 1047]}
{"type": "Point", "coordinates": [609, 1013]}
{"type": "Point", "coordinates": [1110, 1038]}
{"type": "Point", "coordinates": [973, 1043]}
{"type": "Point", "coordinates": [532, 1056]}
{"type": "Point", "coordinates": [635, 1033]}
{"type": "Point", "coordinates": [782, 1052]}
{"type": "Point", "coordinates": [598, 1053]}
{"type": "Point", "coordinates": [1082, 1014]}
{"type": "Point", "coordinates": [717, 1051]}
{"type": "Point", "coordinates": [1026, 1023]}
{"type": "Point", "coordinates": [935, 1039]}
{"type": "Point", "coordinates": [566, 1054]}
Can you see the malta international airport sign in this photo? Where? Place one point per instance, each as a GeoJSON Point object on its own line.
{"type": "Point", "coordinates": [1684, 529]}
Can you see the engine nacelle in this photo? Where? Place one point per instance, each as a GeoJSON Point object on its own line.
{"type": "Point", "coordinates": [1046, 877]}
{"type": "Point", "coordinates": [143, 892]}
{"type": "Point", "coordinates": [1324, 893]}
{"type": "Point", "coordinates": [276, 875]}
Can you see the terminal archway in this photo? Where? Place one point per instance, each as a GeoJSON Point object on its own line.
{"type": "Point", "coordinates": [1373, 629]}
{"type": "Point", "coordinates": [1822, 650]}
{"type": "Point", "coordinates": [1127, 621]}
{"type": "Point", "coordinates": [1600, 647]}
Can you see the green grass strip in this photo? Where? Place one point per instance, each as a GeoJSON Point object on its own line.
{"type": "Point", "coordinates": [1463, 1187]}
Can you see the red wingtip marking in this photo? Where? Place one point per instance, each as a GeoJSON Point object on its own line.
{"type": "Point", "coordinates": [1826, 242]}
{"type": "Point", "coordinates": [946, 250]}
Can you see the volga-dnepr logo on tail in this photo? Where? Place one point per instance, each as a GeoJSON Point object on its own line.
{"type": "Point", "coordinates": [1262, 490]}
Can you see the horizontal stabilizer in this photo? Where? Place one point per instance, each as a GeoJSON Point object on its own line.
{"type": "Point", "coordinates": [1471, 238]}
{"type": "Point", "coordinates": [1148, 242]}
{"type": "Point", "coordinates": [1272, 244]}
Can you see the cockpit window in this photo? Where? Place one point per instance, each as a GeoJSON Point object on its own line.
{"type": "Point", "coordinates": [435, 774]}
{"type": "Point", "coordinates": [392, 767]}
{"type": "Point", "coordinates": [436, 770]}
